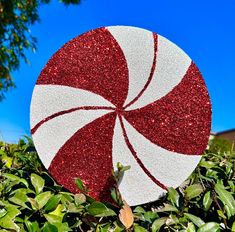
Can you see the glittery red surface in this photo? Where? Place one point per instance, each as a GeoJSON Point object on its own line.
{"type": "Point", "coordinates": [88, 156]}
{"type": "Point", "coordinates": [179, 121]}
{"type": "Point", "coordinates": [93, 61]}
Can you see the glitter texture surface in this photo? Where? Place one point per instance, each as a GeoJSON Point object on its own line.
{"type": "Point", "coordinates": [148, 173]}
{"type": "Point", "coordinates": [34, 129]}
{"type": "Point", "coordinates": [155, 37]}
{"type": "Point", "coordinates": [93, 61]}
{"type": "Point", "coordinates": [88, 155]}
{"type": "Point", "coordinates": [176, 122]}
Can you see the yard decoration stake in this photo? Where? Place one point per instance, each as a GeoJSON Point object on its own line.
{"type": "Point", "coordinates": [120, 94]}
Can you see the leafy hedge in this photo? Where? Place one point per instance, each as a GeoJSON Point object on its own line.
{"type": "Point", "coordinates": [30, 200]}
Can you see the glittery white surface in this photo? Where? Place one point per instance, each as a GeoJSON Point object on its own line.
{"type": "Point", "coordinates": [169, 167]}
{"type": "Point", "coordinates": [138, 48]}
{"type": "Point", "coordinates": [136, 187]}
{"type": "Point", "coordinates": [50, 99]}
{"type": "Point", "coordinates": [172, 64]}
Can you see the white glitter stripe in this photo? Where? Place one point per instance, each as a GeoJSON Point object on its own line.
{"type": "Point", "coordinates": [138, 47]}
{"type": "Point", "coordinates": [170, 168]}
{"type": "Point", "coordinates": [171, 66]}
{"type": "Point", "coordinates": [50, 99]}
{"type": "Point", "coordinates": [136, 187]}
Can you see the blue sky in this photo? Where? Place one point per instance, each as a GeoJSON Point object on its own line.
{"type": "Point", "coordinates": [205, 30]}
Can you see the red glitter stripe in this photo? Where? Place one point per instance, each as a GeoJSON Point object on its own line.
{"type": "Point", "coordinates": [133, 152]}
{"type": "Point", "coordinates": [155, 37]}
{"type": "Point", "coordinates": [67, 112]}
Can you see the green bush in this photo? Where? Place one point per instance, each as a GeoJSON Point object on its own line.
{"type": "Point", "coordinates": [30, 200]}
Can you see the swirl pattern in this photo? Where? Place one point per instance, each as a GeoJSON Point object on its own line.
{"type": "Point", "coordinates": [120, 94]}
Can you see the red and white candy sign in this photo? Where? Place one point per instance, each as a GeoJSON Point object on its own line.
{"type": "Point", "coordinates": [120, 94]}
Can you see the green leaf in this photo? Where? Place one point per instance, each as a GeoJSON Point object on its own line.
{"type": "Point", "coordinates": [32, 226]}
{"type": "Point", "coordinates": [58, 211]}
{"type": "Point", "coordinates": [98, 209]}
{"type": "Point", "coordinates": [173, 196]}
{"type": "Point", "coordinates": [52, 202]}
{"type": "Point", "coordinates": [221, 214]}
{"type": "Point", "coordinates": [209, 227]}
{"type": "Point", "coordinates": [150, 216]}
{"type": "Point", "coordinates": [23, 191]}
{"type": "Point", "coordinates": [8, 220]}
{"type": "Point", "coordinates": [33, 203]}
{"type": "Point", "coordinates": [207, 200]}
{"type": "Point", "coordinates": [139, 229]}
{"type": "Point", "coordinates": [63, 227]}
{"type": "Point", "coordinates": [53, 219]}
{"type": "Point", "coordinates": [79, 198]}
{"type": "Point", "coordinates": [232, 186]}
{"type": "Point", "coordinates": [72, 208]}
{"type": "Point", "coordinates": [207, 164]}
{"type": "Point", "coordinates": [12, 177]}
{"type": "Point", "coordinates": [80, 185]}
{"type": "Point", "coordinates": [1, 151]}
{"type": "Point", "coordinates": [66, 197]}
{"type": "Point", "coordinates": [139, 209]}
{"type": "Point", "coordinates": [158, 223]}
{"type": "Point", "coordinates": [20, 198]}
{"type": "Point", "coordinates": [227, 199]}
{"type": "Point", "coordinates": [42, 199]}
{"type": "Point", "coordinates": [228, 211]}
{"type": "Point", "coordinates": [122, 168]}
{"type": "Point", "coordinates": [233, 227]}
{"type": "Point", "coordinates": [37, 182]}
{"type": "Point", "coordinates": [117, 228]}
{"type": "Point", "coordinates": [57, 221]}
{"type": "Point", "coordinates": [191, 227]}
{"type": "Point", "coordinates": [193, 191]}
{"type": "Point", "coordinates": [173, 219]}
{"type": "Point", "coordinates": [49, 228]}
{"type": "Point", "coordinates": [166, 208]}
{"type": "Point", "coordinates": [116, 196]}
{"type": "Point", "coordinates": [3, 212]}
{"type": "Point", "coordinates": [196, 220]}
{"type": "Point", "coordinates": [7, 160]}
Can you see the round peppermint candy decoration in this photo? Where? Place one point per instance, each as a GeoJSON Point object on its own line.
{"type": "Point", "coordinates": [120, 94]}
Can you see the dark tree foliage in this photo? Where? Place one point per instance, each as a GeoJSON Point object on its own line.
{"type": "Point", "coordinates": [16, 16]}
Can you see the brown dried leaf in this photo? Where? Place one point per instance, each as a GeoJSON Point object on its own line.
{"type": "Point", "coordinates": [126, 216]}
